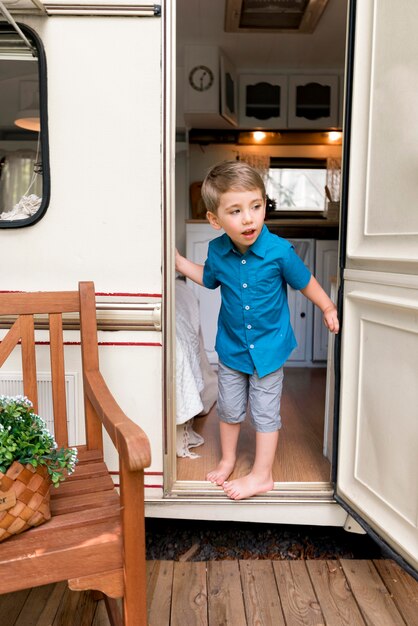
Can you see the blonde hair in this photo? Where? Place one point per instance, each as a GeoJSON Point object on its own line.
{"type": "Point", "coordinates": [229, 176]}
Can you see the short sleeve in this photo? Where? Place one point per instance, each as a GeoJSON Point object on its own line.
{"type": "Point", "coordinates": [209, 271]}
{"type": "Point", "coordinates": [295, 271]}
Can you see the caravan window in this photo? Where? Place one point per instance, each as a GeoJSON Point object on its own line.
{"type": "Point", "coordinates": [297, 184]}
{"type": "Point", "coordinates": [24, 163]}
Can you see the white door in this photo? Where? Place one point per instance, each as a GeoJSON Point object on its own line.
{"type": "Point", "coordinates": [378, 432]}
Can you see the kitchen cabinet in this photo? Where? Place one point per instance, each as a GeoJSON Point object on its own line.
{"type": "Point", "coordinates": [210, 88]}
{"type": "Point", "coordinates": [326, 267]}
{"type": "Point", "coordinates": [301, 309]}
{"type": "Point", "coordinates": [313, 101]}
{"type": "Point", "coordinates": [262, 101]}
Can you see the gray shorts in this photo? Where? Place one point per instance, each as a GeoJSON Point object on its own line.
{"type": "Point", "coordinates": [262, 395]}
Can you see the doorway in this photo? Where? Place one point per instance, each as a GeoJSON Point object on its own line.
{"type": "Point", "coordinates": [212, 126]}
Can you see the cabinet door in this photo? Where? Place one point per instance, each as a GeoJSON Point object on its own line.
{"type": "Point", "coordinates": [198, 237]}
{"type": "Point", "coordinates": [301, 309]}
{"type": "Point", "coordinates": [326, 264]}
{"type": "Point", "coordinates": [313, 101]}
{"type": "Point", "coordinates": [263, 100]}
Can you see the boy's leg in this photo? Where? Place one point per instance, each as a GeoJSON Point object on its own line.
{"type": "Point", "coordinates": [264, 399]}
{"type": "Point", "coordinates": [232, 409]}
{"type": "Point", "coordinates": [229, 438]}
{"type": "Point", "coordinates": [260, 479]}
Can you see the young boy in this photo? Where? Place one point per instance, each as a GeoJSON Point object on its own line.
{"type": "Point", "coordinates": [253, 268]}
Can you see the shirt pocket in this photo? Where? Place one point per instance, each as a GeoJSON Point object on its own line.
{"type": "Point", "coordinates": [268, 280]}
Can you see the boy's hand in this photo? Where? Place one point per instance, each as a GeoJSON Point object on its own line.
{"type": "Point", "coordinates": [330, 318]}
{"type": "Point", "coordinates": [178, 260]}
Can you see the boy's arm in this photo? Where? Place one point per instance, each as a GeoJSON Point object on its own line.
{"type": "Point", "coordinates": [189, 269]}
{"type": "Point", "coordinates": [314, 292]}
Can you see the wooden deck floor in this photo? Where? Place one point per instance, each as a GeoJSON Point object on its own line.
{"type": "Point", "coordinates": [239, 593]}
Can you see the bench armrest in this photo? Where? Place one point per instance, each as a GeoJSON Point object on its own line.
{"type": "Point", "coordinates": [128, 438]}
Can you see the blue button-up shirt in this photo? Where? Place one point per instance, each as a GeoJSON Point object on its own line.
{"type": "Point", "coordinates": [254, 330]}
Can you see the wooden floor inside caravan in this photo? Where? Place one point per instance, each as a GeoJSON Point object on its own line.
{"type": "Point", "coordinates": [299, 456]}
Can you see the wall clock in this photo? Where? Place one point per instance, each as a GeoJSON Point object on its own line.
{"type": "Point", "coordinates": [201, 78]}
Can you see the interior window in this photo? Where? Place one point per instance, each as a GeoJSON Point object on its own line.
{"type": "Point", "coordinates": [24, 168]}
{"type": "Point", "coordinates": [296, 185]}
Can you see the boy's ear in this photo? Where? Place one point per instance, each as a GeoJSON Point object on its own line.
{"type": "Point", "coordinates": [213, 220]}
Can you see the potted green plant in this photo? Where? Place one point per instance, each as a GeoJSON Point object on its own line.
{"type": "Point", "coordinates": [30, 461]}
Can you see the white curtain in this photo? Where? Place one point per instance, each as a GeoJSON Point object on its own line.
{"type": "Point", "coordinates": [18, 178]}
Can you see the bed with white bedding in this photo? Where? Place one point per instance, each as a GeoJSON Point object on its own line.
{"type": "Point", "coordinates": [196, 382]}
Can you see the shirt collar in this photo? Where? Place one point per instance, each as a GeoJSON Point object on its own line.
{"type": "Point", "coordinates": [259, 248]}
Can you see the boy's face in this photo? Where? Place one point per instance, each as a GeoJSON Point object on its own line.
{"type": "Point", "coordinates": [241, 215]}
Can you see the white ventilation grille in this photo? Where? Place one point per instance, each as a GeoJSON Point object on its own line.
{"type": "Point", "coordinates": [11, 384]}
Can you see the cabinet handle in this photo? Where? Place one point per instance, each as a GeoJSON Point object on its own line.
{"type": "Point", "coordinates": [303, 314]}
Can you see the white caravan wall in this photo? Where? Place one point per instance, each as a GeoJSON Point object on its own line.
{"type": "Point", "coordinates": [104, 218]}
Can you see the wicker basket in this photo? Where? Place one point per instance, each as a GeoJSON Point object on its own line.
{"type": "Point", "coordinates": [24, 498]}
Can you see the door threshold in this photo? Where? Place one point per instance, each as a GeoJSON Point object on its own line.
{"type": "Point", "coordinates": [282, 492]}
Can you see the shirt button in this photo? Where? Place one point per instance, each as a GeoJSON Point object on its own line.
{"type": "Point", "coordinates": [247, 308]}
{"type": "Point", "coordinates": [245, 285]}
{"type": "Point", "coordinates": [249, 327]}
{"type": "Point", "coordinates": [251, 346]}
{"type": "Point", "coordinates": [243, 261]}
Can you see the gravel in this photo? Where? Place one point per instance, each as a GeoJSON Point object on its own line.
{"type": "Point", "coordinates": [191, 540]}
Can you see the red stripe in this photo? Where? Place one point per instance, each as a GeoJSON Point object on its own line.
{"type": "Point", "coordinates": [154, 486]}
{"type": "Point", "coordinates": [130, 295]}
{"type": "Point", "coordinates": [145, 473]}
{"type": "Point", "coordinates": [101, 293]}
{"type": "Point", "coordinates": [106, 343]}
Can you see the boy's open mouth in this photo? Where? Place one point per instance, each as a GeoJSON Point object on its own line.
{"type": "Point", "coordinates": [249, 232]}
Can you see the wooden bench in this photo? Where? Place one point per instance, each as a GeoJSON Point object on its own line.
{"type": "Point", "coordinates": [95, 538]}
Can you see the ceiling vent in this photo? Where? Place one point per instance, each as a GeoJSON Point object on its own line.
{"type": "Point", "coordinates": [273, 16]}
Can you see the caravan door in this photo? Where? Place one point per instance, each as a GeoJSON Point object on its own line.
{"type": "Point", "coordinates": [378, 430]}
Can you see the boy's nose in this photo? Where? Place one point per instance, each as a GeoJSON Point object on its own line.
{"type": "Point", "coordinates": [246, 217]}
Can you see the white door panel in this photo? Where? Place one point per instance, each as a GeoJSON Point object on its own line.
{"type": "Point", "coordinates": [383, 178]}
{"type": "Point", "coordinates": [378, 427]}
{"type": "Point", "coordinates": [378, 455]}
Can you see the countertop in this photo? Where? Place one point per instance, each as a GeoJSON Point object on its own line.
{"type": "Point", "coordinates": [316, 228]}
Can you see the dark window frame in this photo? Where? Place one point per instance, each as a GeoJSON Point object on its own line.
{"type": "Point", "coordinates": [43, 112]}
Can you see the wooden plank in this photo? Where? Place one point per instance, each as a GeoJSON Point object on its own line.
{"type": "Point", "coordinates": [100, 617]}
{"type": "Point", "coordinates": [299, 602]}
{"type": "Point", "coordinates": [84, 501]}
{"type": "Point", "coordinates": [133, 529]}
{"type": "Point", "coordinates": [39, 302]}
{"type": "Point", "coordinates": [90, 550]}
{"type": "Point", "coordinates": [86, 608]}
{"type": "Point", "coordinates": [30, 388]}
{"type": "Point", "coordinates": [10, 606]}
{"type": "Point", "coordinates": [93, 484]}
{"type": "Point", "coordinates": [261, 599]}
{"type": "Point", "coordinates": [159, 588]}
{"type": "Point", "coordinates": [189, 600]}
{"type": "Point", "coordinates": [110, 583]}
{"type": "Point", "coordinates": [41, 605]}
{"type": "Point", "coordinates": [403, 588]}
{"type": "Point", "coordinates": [334, 595]}
{"type": "Point", "coordinates": [372, 596]}
{"type": "Point", "coordinates": [225, 599]}
{"type": "Point", "coordinates": [90, 358]}
{"type": "Point", "coordinates": [58, 379]}
{"type": "Point", "coordinates": [9, 342]}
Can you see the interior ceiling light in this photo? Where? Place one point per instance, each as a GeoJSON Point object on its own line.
{"type": "Point", "coordinates": [30, 121]}
{"type": "Point", "coordinates": [273, 16]}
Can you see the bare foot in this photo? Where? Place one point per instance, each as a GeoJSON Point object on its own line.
{"type": "Point", "coordinates": [220, 473]}
{"type": "Point", "coordinates": [246, 487]}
